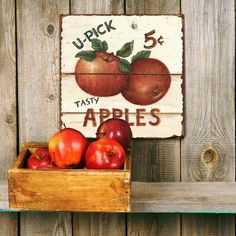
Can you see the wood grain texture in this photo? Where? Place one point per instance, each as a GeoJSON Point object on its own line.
{"type": "Point", "coordinates": [85, 223]}
{"type": "Point", "coordinates": [38, 90]}
{"type": "Point", "coordinates": [209, 92]}
{"type": "Point", "coordinates": [8, 222]}
{"type": "Point", "coordinates": [45, 224]}
{"type": "Point", "coordinates": [4, 203]}
{"type": "Point", "coordinates": [8, 117]}
{"type": "Point", "coordinates": [38, 68]}
{"type": "Point", "coordinates": [99, 224]}
{"type": "Point", "coordinates": [153, 224]}
{"type": "Point", "coordinates": [208, 224]}
{"type": "Point", "coordinates": [207, 197]}
{"type": "Point", "coordinates": [152, 7]}
{"type": "Point", "coordinates": [97, 7]}
{"type": "Point", "coordinates": [154, 160]}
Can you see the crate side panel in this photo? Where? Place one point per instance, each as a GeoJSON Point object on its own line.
{"type": "Point", "coordinates": [69, 191]}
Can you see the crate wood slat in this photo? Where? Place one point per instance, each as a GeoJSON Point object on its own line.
{"type": "Point", "coordinates": [154, 160]}
{"type": "Point", "coordinates": [88, 191]}
{"type": "Point", "coordinates": [210, 104]}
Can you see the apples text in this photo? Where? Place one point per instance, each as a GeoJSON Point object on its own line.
{"type": "Point", "coordinates": [139, 119]}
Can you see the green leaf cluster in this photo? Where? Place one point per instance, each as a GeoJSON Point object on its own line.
{"type": "Point", "coordinates": [125, 51]}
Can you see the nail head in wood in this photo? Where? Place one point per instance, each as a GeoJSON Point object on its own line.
{"type": "Point", "coordinates": [50, 29]}
{"type": "Point", "coordinates": [51, 97]}
{"type": "Point", "coordinates": [9, 119]}
{"type": "Point", "coordinates": [134, 26]}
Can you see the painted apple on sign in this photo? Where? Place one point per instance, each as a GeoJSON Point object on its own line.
{"type": "Point", "coordinates": [124, 67]}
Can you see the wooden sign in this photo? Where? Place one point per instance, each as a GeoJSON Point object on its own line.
{"type": "Point", "coordinates": [128, 67]}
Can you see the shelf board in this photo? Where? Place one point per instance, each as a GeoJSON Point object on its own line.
{"type": "Point", "coordinates": [184, 197]}
{"type": "Point", "coordinates": [171, 197]}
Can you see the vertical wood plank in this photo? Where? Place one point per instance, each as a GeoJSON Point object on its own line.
{"type": "Point", "coordinates": [8, 117]}
{"type": "Point", "coordinates": [85, 224]}
{"type": "Point", "coordinates": [152, 7]}
{"type": "Point", "coordinates": [154, 160]}
{"type": "Point", "coordinates": [8, 129]}
{"type": "Point", "coordinates": [46, 224]}
{"type": "Point", "coordinates": [209, 91]}
{"type": "Point", "coordinates": [208, 224]}
{"type": "Point", "coordinates": [38, 89]}
{"type": "Point", "coordinates": [97, 7]}
{"type": "Point", "coordinates": [153, 224]}
{"type": "Point", "coordinates": [38, 67]}
{"type": "Point", "coordinates": [8, 222]}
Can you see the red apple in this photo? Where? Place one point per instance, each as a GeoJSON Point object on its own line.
{"type": "Point", "coordinates": [101, 77]}
{"type": "Point", "coordinates": [39, 159]}
{"type": "Point", "coordinates": [117, 129]}
{"type": "Point", "coordinates": [104, 154]}
{"type": "Point", "coordinates": [67, 148]}
{"type": "Point", "coordinates": [148, 82]}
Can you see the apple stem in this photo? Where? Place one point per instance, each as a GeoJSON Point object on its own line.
{"type": "Point", "coordinates": [111, 153]}
{"type": "Point", "coordinates": [110, 56]}
{"type": "Point", "coordinates": [39, 156]}
{"type": "Point", "coordinates": [63, 124]}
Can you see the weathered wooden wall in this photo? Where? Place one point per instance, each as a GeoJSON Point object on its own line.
{"type": "Point", "coordinates": [29, 111]}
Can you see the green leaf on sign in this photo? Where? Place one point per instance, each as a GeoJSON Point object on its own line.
{"type": "Point", "coordinates": [126, 49]}
{"type": "Point", "coordinates": [86, 55]}
{"type": "Point", "coordinates": [97, 45]}
{"type": "Point", "coordinates": [104, 46]}
{"type": "Point", "coordinates": [124, 65]}
{"type": "Point", "coordinates": [141, 55]}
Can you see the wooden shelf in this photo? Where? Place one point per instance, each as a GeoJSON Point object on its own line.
{"type": "Point", "coordinates": [184, 197]}
{"type": "Point", "coordinates": [171, 197]}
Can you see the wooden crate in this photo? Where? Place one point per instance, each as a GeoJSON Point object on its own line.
{"type": "Point", "coordinates": [67, 189]}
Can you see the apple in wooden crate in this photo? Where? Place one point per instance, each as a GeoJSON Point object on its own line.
{"type": "Point", "coordinates": [39, 159]}
{"type": "Point", "coordinates": [117, 129]}
{"type": "Point", "coordinates": [105, 153]}
{"type": "Point", "coordinates": [67, 148]}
